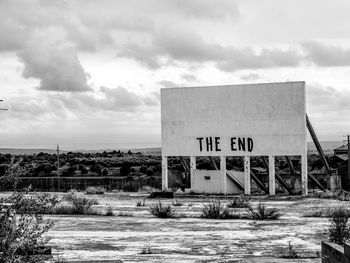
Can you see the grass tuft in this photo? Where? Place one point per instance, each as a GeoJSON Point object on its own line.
{"type": "Point", "coordinates": [326, 212]}
{"type": "Point", "coordinates": [162, 211]}
{"type": "Point", "coordinates": [264, 213]}
{"type": "Point", "coordinates": [215, 210]}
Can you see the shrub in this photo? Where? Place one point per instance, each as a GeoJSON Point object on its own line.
{"type": "Point", "coordinates": [64, 208]}
{"type": "Point", "coordinates": [146, 189]}
{"type": "Point", "coordinates": [34, 203]}
{"type": "Point", "coordinates": [176, 202]}
{"type": "Point", "coordinates": [95, 190]}
{"type": "Point", "coordinates": [162, 211]}
{"type": "Point", "coordinates": [263, 213]}
{"type": "Point", "coordinates": [338, 231]}
{"type": "Point", "coordinates": [22, 237]}
{"type": "Point", "coordinates": [239, 202]}
{"type": "Point", "coordinates": [215, 210]}
{"type": "Point", "coordinates": [326, 212]}
{"type": "Point", "coordinates": [81, 204]}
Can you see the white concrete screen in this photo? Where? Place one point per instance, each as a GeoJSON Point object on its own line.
{"type": "Point", "coordinates": [235, 120]}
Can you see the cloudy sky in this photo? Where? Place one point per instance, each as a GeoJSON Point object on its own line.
{"type": "Point", "coordinates": [87, 73]}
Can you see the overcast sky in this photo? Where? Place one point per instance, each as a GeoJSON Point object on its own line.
{"type": "Point", "coordinates": [87, 73]}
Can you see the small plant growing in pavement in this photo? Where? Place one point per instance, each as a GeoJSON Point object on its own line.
{"type": "Point", "coordinates": [215, 210]}
{"type": "Point", "coordinates": [162, 211]}
{"type": "Point", "coordinates": [264, 213]}
{"type": "Point", "coordinates": [176, 202]}
{"type": "Point", "coordinates": [239, 202]}
{"type": "Point", "coordinates": [146, 250]}
{"type": "Point", "coordinates": [289, 252]}
{"type": "Point", "coordinates": [141, 203]}
{"type": "Point", "coordinates": [109, 211]}
{"type": "Point", "coordinates": [338, 231]}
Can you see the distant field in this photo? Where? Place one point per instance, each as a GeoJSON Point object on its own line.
{"type": "Point", "coordinates": [148, 151]}
{"type": "Point", "coordinates": [327, 146]}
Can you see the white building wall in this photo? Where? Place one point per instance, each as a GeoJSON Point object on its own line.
{"type": "Point", "coordinates": [210, 182]}
{"type": "Point", "coordinates": [273, 115]}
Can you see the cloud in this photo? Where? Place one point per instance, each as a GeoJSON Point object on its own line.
{"type": "Point", "coordinates": [189, 77]}
{"type": "Point", "coordinates": [168, 84]}
{"type": "Point", "coordinates": [56, 66]}
{"type": "Point", "coordinates": [326, 99]}
{"type": "Point", "coordinates": [117, 99]}
{"type": "Point", "coordinates": [250, 76]}
{"type": "Point", "coordinates": [324, 55]}
{"type": "Point", "coordinates": [219, 9]}
{"type": "Point", "coordinates": [179, 44]}
{"type": "Point", "coordinates": [72, 106]}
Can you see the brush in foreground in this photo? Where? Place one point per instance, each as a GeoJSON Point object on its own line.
{"type": "Point", "coordinates": [326, 212]}
{"type": "Point", "coordinates": [264, 213]}
{"type": "Point", "coordinates": [162, 211]}
{"type": "Point", "coordinates": [215, 210]}
{"type": "Point", "coordinates": [339, 231]}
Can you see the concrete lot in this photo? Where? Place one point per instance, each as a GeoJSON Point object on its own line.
{"type": "Point", "coordinates": [122, 238]}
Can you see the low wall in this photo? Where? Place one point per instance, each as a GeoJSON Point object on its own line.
{"type": "Point", "coordinates": [334, 253]}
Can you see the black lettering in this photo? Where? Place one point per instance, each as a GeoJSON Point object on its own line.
{"type": "Point", "coordinates": [250, 144]}
{"type": "Point", "coordinates": [233, 143]}
{"type": "Point", "coordinates": [241, 144]}
{"type": "Point", "coordinates": [200, 139]}
{"type": "Point", "coordinates": [209, 141]}
{"type": "Point", "coordinates": [217, 142]}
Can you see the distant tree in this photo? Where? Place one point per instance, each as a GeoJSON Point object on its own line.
{"type": "Point", "coordinates": [129, 152]}
{"type": "Point", "coordinates": [150, 171]}
{"type": "Point", "coordinates": [125, 169]}
{"type": "Point", "coordinates": [96, 168]}
{"type": "Point", "coordinates": [143, 169]}
{"type": "Point", "coordinates": [82, 169]}
{"type": "Point", "coordinates": [104, 172]}
{"type": "Point", "coordinates": [70, 171]}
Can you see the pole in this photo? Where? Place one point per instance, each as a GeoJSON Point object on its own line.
{"type": "Point", "coordinates": [348, 156]}
{"type": "Point", "coordinates": [2, 108]}
{"type": "Point", "coordinates": [58, 167]}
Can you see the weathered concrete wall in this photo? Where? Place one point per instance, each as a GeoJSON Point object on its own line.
{"type": "Point", "coordinates": [210, 182]}
{"type": "Point", "coordinates": [334, 253]}
{"type": "Point", "coordinates": [207, 181]}
{"type": "Point", "coordinates": [271, 115]}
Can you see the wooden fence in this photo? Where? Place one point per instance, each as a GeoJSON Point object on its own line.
{"type": "Point", "coordinates": [81, 183]}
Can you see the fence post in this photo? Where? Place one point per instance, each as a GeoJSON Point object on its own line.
{"type": "Point", "coordinates": [347, 253]}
